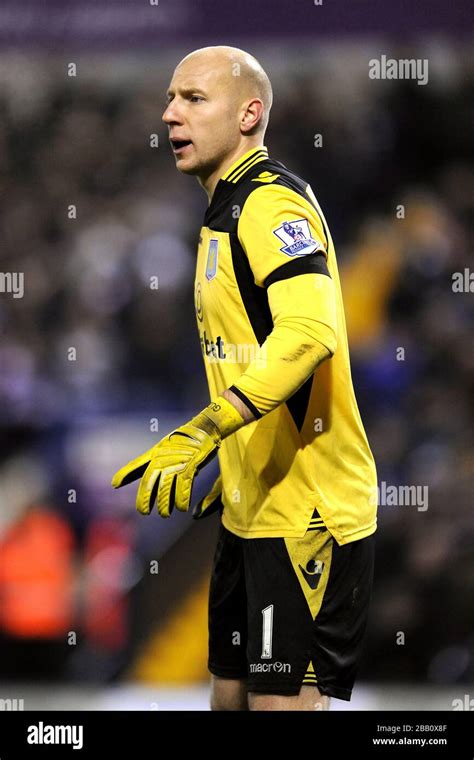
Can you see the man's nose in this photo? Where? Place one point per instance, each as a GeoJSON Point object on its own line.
{"type": "Point", "coordinates": [171, 114]}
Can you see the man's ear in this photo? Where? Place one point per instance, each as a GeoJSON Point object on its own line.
{"type": "Point", "coordinates": [252, 116]}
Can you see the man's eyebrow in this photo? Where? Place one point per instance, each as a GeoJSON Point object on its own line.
{"type": "Point", "coordinates": [186, 90]}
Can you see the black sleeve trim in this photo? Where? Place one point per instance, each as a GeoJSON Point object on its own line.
{"type": "Point", "coordinates": [246, 401]}
{"type": "Point", "coordinates": [313, 262]}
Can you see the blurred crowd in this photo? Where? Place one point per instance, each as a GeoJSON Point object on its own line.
{"type": "Point", "coordinates": [105, 229]}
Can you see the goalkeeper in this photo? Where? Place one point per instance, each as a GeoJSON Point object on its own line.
{"type": "Point", "coordinates": [293, 566]}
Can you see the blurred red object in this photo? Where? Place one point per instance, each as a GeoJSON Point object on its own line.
{"type": "Point", "coordinates": [36, 576]}
{"type": "Point", "coordinates": [107, 555]}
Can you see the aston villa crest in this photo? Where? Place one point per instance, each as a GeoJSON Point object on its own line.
{"type": "Point", "coordinates": [211, 266]}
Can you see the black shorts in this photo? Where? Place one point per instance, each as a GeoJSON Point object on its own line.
{"type": "Point", "coordinates": [289, 611]}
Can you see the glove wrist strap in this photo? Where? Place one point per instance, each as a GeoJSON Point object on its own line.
{"type": "Point", "coordinates": [220, 418]}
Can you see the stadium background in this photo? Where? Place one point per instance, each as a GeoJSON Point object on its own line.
{"type": "Point", "coordinates": [100, 608]}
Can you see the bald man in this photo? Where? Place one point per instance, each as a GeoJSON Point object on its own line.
{"type": "Point", "coordinates": [293, 566]}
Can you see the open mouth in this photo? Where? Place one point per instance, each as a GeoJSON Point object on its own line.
{"type": "Point", "coordinates": [180, 145]}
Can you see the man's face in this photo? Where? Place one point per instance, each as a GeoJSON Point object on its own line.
{"type": "Point", "coordinates": [202, 116]}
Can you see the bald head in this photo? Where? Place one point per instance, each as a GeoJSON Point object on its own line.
{"type": "Point", "coordinates": [237, 72]}
{"type": "Point", "coordinates": [219, 101]}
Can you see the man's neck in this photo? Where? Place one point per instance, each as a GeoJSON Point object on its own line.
{"type": "Point", "coordinates": [209, 183]}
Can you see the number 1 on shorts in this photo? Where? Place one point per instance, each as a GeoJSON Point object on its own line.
{"type": "Point", "coordinates": [267, 632]}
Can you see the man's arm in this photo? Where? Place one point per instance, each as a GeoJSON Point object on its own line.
{"type": "Point", "coordinates": [239, 405]}
{"type": "Point", "coordinates": [292, 351]}
{"type": "Point", "coordinates": [301, 296]}
{"type": "Point", "coordinates": [304, 335]}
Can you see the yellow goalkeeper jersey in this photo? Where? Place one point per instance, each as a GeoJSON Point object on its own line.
{"type": "Point", "coordinates": [263, 225]}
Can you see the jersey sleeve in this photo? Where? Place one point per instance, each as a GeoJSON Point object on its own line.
{"type": "Point", "coordinates": [304, 334]}
{"type": "Point", "coordinates": [279, 227]}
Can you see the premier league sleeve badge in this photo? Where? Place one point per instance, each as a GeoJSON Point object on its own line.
{"type": "Point", "coordinates": [297, 239]}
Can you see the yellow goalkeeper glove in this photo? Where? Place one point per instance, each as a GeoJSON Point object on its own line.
{"type": "Point", "coordinates": [167, 470]}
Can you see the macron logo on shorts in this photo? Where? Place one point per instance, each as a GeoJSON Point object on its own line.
{"type": "Point", "coordinates": [270, 667]}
